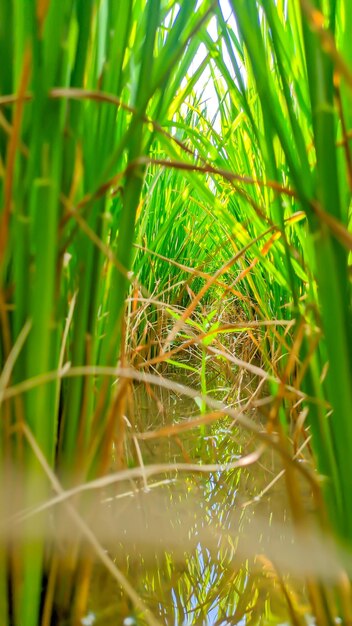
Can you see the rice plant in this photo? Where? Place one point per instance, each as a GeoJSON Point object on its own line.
{"type": "Point", "coordinates": [176, 187]}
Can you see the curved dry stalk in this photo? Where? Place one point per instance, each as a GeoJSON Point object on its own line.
{"type": "Point", "coordinates": [144, 472]}
{"type": "Point", "coordinates": [237, 415]}
{"type": "Point", "coordinates": [118, 372]}
{"type": "Point", "coordinates": [210, 169]}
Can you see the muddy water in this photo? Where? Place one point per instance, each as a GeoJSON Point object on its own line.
{"type": "Point", "coordinates": [197, 548]}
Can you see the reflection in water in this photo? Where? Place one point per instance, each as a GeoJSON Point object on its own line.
{"type": "Point", "coordinates": [185, 543]}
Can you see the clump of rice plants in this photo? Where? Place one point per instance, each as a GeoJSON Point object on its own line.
{"type": "Point", "coordinates": [175, 182]}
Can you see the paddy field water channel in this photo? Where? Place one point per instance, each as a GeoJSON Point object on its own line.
{"type": "Point", "coordinates": [212, 548]}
